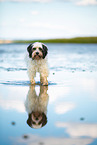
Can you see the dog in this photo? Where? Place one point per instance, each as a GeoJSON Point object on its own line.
{"type": "Point", "coordinates": [37, 62]}
{"type": "Point", "coordinates": [36, 106]}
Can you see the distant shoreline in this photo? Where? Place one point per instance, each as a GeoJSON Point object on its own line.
{"type": "Point", "coordinates": [63, 40]}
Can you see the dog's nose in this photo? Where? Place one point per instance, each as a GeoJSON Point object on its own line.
{"type": "Point", "coordinates": [36, 118]}
{"type": "Point", "coordinates": [37, 53]}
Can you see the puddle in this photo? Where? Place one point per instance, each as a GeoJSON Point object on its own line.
{"type": "Point", "coordinates": [23, 83]}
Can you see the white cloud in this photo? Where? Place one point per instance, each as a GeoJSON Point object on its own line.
{"type": "Point", "coordinates": [14, 100]}
{"type": "Point", "coordinates": [77, 2]}
{"type": "Point", "coordinates": [64, 107]}
{"type": "Point", "coordinates": [27, 0]}
{"type": "Point", "coordinates": [34, 12]}
{"type": "Point", "coordinates": [56, 93]}
{"type": "Point", "coordinates": [12, 104]}
{"type": "Point", "coordinates": [22, 20]}
{"type": "Point", "coordinates": [39, 24]}
{"type": "Point", "coordinates": [89, 85]}
{"type": "Point", "coordinates": [86, 2]}
{"type": "Point", "coordinates": [79, 129]}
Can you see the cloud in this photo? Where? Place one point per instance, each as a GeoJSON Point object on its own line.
{"type": "Point", "coordinates": [11, 105]}
{"type": "Point", "coordinates": [22, 20]}
{"type": "Point", "coordinates": [79, 129]}
{"type": "Point", "coordinates": [41, 1]}
{"type": "Point", "coordinates": [64, 107]}
{"type": "Point", "coordinates": [48, 25]}
{"type": "Point", "coordinates": [56, 93]}
{"type": "Point", "coordinates": [77, 2]}
{"type": "Point", "coordinates": [89, 85]}
{"type": "Point", "coordinates": [86, 2]}
{"type": "Point", "coordinates": [14, 100]}
{"type": "Point", "coordinates": [34, 12]}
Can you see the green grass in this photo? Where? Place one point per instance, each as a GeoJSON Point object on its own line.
{"type": "Point", "coordinates": [64, 40]}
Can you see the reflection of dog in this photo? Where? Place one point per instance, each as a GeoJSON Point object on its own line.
{"type": "Point", "coordinates": [36, 107]}
{"type": "Point", "coordinates": [37, 62]}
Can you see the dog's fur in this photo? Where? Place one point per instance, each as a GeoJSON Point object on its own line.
{"type": "Point", "coordinates": [37, 62]}
{"type": "Point", "coordinates": [36, 106]}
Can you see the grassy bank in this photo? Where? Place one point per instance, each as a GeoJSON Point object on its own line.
{"type": "Point", "coordinates": [69, 40]}
{"type": "Point", "coordinates": [64, 40]}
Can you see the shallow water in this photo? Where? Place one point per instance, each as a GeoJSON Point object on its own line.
{"type": "Point", "coordinates": [71, 96]}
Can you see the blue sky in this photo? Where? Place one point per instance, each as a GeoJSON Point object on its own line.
{"type": "Point", "coordinates": [43, 19]}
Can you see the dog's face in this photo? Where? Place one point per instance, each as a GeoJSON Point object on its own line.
{"type": "Point", "coordinates": [37, 120]}
{"type": "Point", "coordinates": [37, 51]}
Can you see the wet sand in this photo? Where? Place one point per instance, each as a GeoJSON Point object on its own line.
{"type": "Point", "coordinates": [72, 96]}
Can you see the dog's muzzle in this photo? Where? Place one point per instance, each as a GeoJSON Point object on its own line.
{"type": "Point", "coordinates": [37, 53]}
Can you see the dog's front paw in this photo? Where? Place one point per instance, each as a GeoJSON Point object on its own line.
{"type": "Point", "coordinates": [45, 83]}
{"type": "Point", "coordinates": [32, 82]}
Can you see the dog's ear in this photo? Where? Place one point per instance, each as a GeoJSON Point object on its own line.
{"type": "Point", "coordinates": [45, 50]}
{"type": "Point", "coordinates": [44, 119]}
{"type": "Point", "coordinates": [29, 49]}
{"type": "Point", "coordinates": [29, 122]}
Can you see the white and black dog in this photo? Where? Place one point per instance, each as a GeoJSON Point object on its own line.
{"type": "Point", "coordinates": [36, 107]}
{"type": "Point", "coordinates": [37, 62]}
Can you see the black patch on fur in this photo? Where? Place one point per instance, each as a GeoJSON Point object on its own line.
{"type": "Point", "coordinates": [29, 121]}
{"type": "Point", "coordinates": [43, 121]}
{"type": "Point", "coordinates": [29, 49]}
{"type": "Point", "coordinates": [45, 50]}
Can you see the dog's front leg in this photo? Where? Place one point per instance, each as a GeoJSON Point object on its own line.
{"type": "Point", "coordinates": [32, 81]}
{"type": "Point", "coordinates": [43, 78]}
{"type": "Point", "coordinates": [32, 74]}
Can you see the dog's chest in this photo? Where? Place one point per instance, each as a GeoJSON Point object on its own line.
{"type": "Point", "coordinates": [38, 64]}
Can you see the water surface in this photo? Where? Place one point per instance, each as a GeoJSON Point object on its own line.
{"type": "Point", "coordinates": [71, 96]}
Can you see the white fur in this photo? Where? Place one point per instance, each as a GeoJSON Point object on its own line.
{"type": "Point", "coordinates": [40, 66]}
{"type": "Point", "coordinates": [37, 44]}
{"type": "Point", "coordinates": [37, 103]}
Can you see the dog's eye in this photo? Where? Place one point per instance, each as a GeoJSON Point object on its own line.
{"type": "Point", "coordinates": [33, 122]}
{"type": "Point", "coordinates": [40, 48]}
{"type": "Point", "coordinates": [39, 122]}
{"type": "Point", "coordinates": [34, 48]}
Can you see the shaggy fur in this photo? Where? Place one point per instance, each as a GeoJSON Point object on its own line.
{"type": "Point", "coordinates": [37, 62]}
{"type": "Point", "coordinates": [36, 106]}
